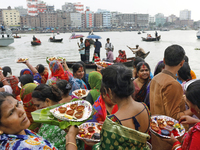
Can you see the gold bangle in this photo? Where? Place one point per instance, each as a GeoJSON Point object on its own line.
{"type": "Point", "coordinates": [3, 80]}
{"type": "Point", "coordinates": [70, 143]}
{"type": "Point", "coordinates": [175, 146]}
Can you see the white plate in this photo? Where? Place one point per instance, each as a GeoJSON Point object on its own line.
{"type": "Point", "coordinates": [86, 112]}
{"type": "Point", "coordinates": [99, 66]}
{"type": "Point", "coordinates": [17, 61]}
{"type": "Point", "coordinates": [85, 126]}
{"type": "Point", "coordinates": [166, 118]}
{"type": "Point", "coordinates": [82, 96]}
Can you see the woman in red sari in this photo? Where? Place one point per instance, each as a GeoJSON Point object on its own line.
{"type": "Point", "coordinates": [121, 57]}
{"type": "Point", "coordinates": [190, 140]}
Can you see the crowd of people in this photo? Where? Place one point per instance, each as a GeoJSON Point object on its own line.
{"type": "Point", "coordinates": [124, 100]}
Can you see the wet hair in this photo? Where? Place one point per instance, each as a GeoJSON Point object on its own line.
{"type": "Point", "coordinates": [137, 46]}
{"type": "Point", "coordinates": [137, 60]}
{"type": "Point", "coordinates": [186, 59]}
{"type": "Point", "coordinates": [3, 96]}
{"type": "Point", "coordinates": [6, 70]}
{"type": "Point", "coordinates": [26, 78]}
{"type": "Point", "coordinates": [192, 93]}
{"type": "Point", "coordinates": [118, 78]}
{"type": "Point", "coordinates": [159, 67]}
{"type": "Point", "coordinates": [40, 68]}
{"type": "Point", "coordinates": [64, 86]}
{"type": "Point", "coordinates": [184, 72]}
{"type": "Point", "coordinates": [107, 39]}
{"type": "Point", "coordinates": [43, 91]}
{"type": "Point", "coordinates": [173, 55]}
{"type": "Point", "coordinates": [81, 38]}
{"type": "Point", "coordinates": [76, 67]}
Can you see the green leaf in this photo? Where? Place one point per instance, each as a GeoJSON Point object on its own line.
{"type": "Point", "coordinates": [44, 116]}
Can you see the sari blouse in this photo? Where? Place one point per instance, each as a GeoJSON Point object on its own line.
{"type": "Point", "coordinates": [115, 136]}
{"type": "Point", "coordinates": [30, 141]}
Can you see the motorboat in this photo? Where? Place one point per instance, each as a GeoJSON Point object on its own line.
{"type": "Point", "coordinates": [151, 39]}
{"type": "Point", "coordinates": [6, 37]}
{"type": "Point", "coordinates": [198, 34]}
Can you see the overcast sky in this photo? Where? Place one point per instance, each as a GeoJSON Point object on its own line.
{"type": "Point", "coordinates": [152, 7]}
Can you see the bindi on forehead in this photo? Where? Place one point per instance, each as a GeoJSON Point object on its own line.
{"type": "Point", "coordinates": [143, 66]}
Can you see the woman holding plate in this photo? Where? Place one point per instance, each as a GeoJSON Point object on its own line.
{"type": "Point", "coordinates": [57, 72]}
{"type": "Point", "coordinates": [76, 81]}
{"type": "Point", "coordinates": [44, 96]}
{"type": "Point", "coordinates": [127, 128]}
{"type": "Point", "coordinates": [190, 140]}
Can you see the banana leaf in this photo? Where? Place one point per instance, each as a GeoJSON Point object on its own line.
{"type": "Point", "coordinates": [44, 116]}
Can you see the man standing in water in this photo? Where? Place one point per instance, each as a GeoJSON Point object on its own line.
{"type": "Point", "coordinates": [166, 93]}
{"type": "Point", "coordinates": [82, 50]}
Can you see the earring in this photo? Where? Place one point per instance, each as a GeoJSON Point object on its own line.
{"type": "Point", "coordinates": [1, 132]}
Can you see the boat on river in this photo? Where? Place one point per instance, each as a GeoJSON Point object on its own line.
{"type": "Point", "coordinates": [151, 39]}
{"type": "Point", "coordinates": [198, 34]}
{"type": "Point", "coordinates": [36, 42]}
{"type": "Point", "coordinates": [55, 40]}
{"type": "Point", "coordinates": [91, 65]}
{"type": "Point", "coordinates": [6, 38]}
{"type": "Point", "coordinates": [16, 36]}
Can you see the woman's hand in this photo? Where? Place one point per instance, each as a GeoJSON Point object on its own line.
{"type": "Point", "coordinates": [1, 75]}
{"type": "Point", "coordinates": [171, 141]}
{"type": "Point", "coordinates": [73, 131]}
{"type": "Point", "coordinates": [90, 143]}
{"type": "Point", "coordinates": [188, 120]}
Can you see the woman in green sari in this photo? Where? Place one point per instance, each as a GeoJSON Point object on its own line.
{"type": "Point", "coordinates": [95, 84]}
{"type": "Point", "coordinates": [128, 127]}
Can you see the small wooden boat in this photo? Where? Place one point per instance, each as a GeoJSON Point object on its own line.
{"type": "Point", "coordinates": [55, 40]}
{"type": "Point", "coordinates": [151, 39]}
{"type": "Point", "coordinates": [34, 43]}
{"type": "Point", "coordinates": [17, 36]}
{"type": "Point", "coordinates": [128, 63]}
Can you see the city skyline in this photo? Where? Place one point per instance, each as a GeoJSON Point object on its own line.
{"type": "Point", "coordinates": [143, 6]}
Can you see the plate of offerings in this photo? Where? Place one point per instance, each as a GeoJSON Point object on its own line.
{"type": "Point", "coordinates": [80, 93]}
{"type": "Point", "coordinates": [103, 64]}
{"type": "Point", "coordinates": [79, 110]}
{"type": "Point", "coordinates": [60, 59]}
{"type": "Point", "coordinates": [90, 131]}
{"type": "Point", "coordinates": [164, 126]}
{"type": "Point", "coordinates": [21, 60]}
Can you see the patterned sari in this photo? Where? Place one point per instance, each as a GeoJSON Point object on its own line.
{"type": "Point", "coordinates": [118, 137]}
{"type": "Point", "coordinates": [141, 94]}
{"type": "Point", "coordinates": [191, 141]}
{"type": "Point", "coordinates": [57, 73]}
{"type": "Point", "coordinates": [13, 81]}
{"type": "Point", "coordinates": [26, 96]}
{"type": "Point", "coordinates": [100, 107]}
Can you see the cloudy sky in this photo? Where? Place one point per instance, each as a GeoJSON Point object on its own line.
{"type": "Point", "coordinates": [152, 7]}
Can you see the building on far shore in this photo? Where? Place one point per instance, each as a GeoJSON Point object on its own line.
{"type": "Point", "coordinates": [11, 17]}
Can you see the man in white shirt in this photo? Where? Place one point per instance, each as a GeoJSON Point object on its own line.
{"type": "Point", "coordinates": [108, 46]}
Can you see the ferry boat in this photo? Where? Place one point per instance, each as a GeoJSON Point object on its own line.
{"type": "Point", "coordinates": [198, 34]}
{"type": "Point", "coordinates": [6, 37]}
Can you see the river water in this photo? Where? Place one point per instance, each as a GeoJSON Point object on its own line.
{"type": "Point", "coordinates": [69, 49]}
